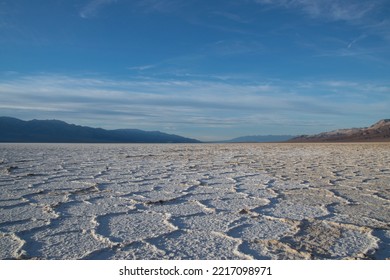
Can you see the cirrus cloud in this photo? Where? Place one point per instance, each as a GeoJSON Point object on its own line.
{"type": "Point", "coordinates": [193, 107]}
{"type": "Point", "coordinates": [330, 9]}
{"type": "Point", "coordinates": [92, 8]}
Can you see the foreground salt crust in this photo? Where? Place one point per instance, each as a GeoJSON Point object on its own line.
{"type": "Point", "coordinates": [198, 201]}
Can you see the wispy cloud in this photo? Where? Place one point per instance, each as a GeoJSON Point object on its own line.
{"type": "Point", "coordinates": [160, 6]}
{"type": "Point", "coordinates": [232, 17]}
{"type": "Point", "coordinates": [347, 10]}
{"type": "Point", "coordinates": [354, 41]}
{"type": "Point", "coordinates": [380, 28]}
{"type": "Point", "coordinates": [235, 47]}
{"type": "Point", "coordinates": [192, 105]}
{"type": "Point", "coordinates": [93, 7]}
{"type": "Point", "coordinates": [141, 68]}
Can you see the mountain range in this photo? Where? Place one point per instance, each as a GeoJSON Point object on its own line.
{"type": "Point", "coordinates": [55, 131]}
{"type": "Point", "coordinates": [377, 132]}
{"type": "Point", "coordinates": [260, 139]}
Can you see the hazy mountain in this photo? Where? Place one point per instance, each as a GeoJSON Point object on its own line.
{"type": "Point", "coordinates": [54, 131]}
{"type": "Point", "coordinates": [379, 131]}
{"type": "Point", "coordinates": [260, 138]}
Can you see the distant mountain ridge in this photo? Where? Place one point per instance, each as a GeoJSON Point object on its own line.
{"type": "Point", "coordinates": [260, 139]}
{"type": "Point", "coordinates": [55, 131]}
{"type": "Point", "coordinates": [377, 132]}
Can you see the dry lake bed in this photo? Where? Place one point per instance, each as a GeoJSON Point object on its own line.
{"type": "Point", "coordinates": [195, 201]}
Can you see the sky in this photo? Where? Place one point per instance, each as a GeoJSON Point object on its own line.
{"type": "Point", "coordinates": [210, 70]}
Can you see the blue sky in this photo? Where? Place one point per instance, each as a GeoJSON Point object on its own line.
{"type": "Point", "coordinates": [204, 69]}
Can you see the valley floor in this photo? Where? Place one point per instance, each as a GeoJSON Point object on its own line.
{"type": "Point", "coordinates": [195, 201]}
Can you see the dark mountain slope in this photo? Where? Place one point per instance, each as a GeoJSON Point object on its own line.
{"type": "Point", "coordinates": [54, 131]}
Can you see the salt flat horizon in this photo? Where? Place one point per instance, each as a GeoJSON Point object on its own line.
{"type": "Point", "coordinates": [195, 201]}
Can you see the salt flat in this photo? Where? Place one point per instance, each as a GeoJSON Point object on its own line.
{"type": "Point", "coordinates": [195, 201]}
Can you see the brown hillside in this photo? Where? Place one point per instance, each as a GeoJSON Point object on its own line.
{"type": "Point", "coordinates": [378, 132]}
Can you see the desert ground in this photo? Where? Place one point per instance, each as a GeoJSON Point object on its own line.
{"type": "Point", "coordinates": [195, 201]}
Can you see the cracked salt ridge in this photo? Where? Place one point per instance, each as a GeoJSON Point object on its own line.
{"type": "Point", "coordinates": [184, 244]}
{"type": "Point", "coordinates": [9, 244]}
{"type": "Point", "coordinates": [66, 238]}
{"type": "Point", "coordinates": [297, 204]}
{"type": "Point", "coordinates": [208, 185]}
{"type": "Point", "coordinates": [23, 217]}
